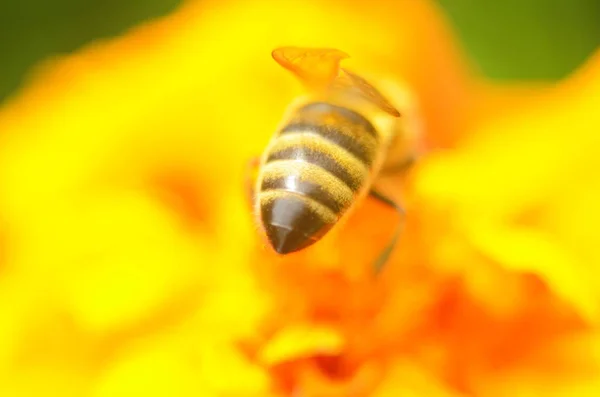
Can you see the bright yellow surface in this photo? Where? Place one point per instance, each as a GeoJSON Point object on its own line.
{"type": "Point", "coordinates": [131, 265]}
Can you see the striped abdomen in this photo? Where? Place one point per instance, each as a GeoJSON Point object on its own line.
{"type": "Point", "coordinates": [312, 172]}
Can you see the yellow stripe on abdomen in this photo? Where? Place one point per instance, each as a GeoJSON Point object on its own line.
{"type": "Point", "coordinates": [314, 149]}
{"type": "Point", "coordinates": [309, 180]}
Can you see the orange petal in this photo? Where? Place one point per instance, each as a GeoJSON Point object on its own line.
{"type": "Point", "coordinates": [411, 380]}
{"type": "Point", "coordinates": [569, 367]}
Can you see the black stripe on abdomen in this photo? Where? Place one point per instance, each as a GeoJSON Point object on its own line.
{"type": "Point", "coordinates": [306, 188]}
{"type": "Point", "coordinates": [357, 147]}
{"type": "Point", "coordinates": [351, 116]}
{"type": "Point", "coordinates": [321, 159]}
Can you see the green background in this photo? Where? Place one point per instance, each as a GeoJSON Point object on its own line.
{"type": "Point", "coordinates": [508, 39]}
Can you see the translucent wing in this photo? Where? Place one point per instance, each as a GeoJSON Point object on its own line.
{"type": "Point", "coordinates": [367, 91]}
{"type": "Point", "coordinates": [316, 67]}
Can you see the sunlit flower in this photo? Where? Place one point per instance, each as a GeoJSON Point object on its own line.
{"type": "Point", "coordinates": [131, 264]}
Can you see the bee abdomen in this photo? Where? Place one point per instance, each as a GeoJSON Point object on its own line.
{"type": "Point", "coordinates": [299, 202]}
{"type": "Point", "coordinates": [314, 149]}
{"type": "Point", "coordinates": [313, 170]}
{"type": "Point", "coordinates": [312, 190]}
{"type": "Point", "coordinates": [342, 126]}
{"type": "Point", "coordinates": [354, 146]}
{"type": "Point", "coordinates": [308, 180]}
{"type": "Point", "coordinates": [343, 114]}
{"type": "Point", "coordinates": [293, 221]}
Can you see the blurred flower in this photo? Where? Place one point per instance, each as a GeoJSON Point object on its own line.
{"type": "Point", "coordinates": [131, 265]}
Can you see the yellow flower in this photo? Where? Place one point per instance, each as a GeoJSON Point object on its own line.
{"type": "Point", "coordinates": [131, 264]}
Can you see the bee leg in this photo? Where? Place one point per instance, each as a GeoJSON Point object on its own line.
{"type": "Point", "coordinates": [385, 254]}
{"type": "Point", "coordinates": [250, 179]}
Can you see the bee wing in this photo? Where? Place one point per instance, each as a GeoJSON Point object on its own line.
{"type": "Point", "coordinates": [319, 69]}
{"type": "Point", "coordinates": [367, 91]}
{"type": "Point", "coordinates": [315, 67]}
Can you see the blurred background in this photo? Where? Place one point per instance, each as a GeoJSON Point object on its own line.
{"type": "Point", "coordinates": [97, 214]}
{"type": "Point", "coordinates": [546, 39]}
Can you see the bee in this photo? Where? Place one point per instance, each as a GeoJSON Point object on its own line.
{"type": "Point", "coordinates": [330, 148]}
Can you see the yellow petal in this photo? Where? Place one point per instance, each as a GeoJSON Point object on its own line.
{"type": "Point", "coordinates": [513, 162]}
{"type": "Point", "coordinates": [130, 259]}
{"type": "Point", "coordinates": [520, 188]}
{"type": "Point", "coordinates": [535, 251]}
{"type": "Point", "coordinates": [300, 341]}
{"type": "Point", "coordinates": [169, 365]}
